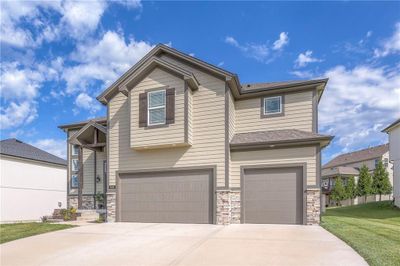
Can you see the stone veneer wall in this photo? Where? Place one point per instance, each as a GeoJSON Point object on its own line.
{"type": "Point", "coordinates": [87, 202]}
{"type": "Point", "coordinates": [111, 206]}
{"type": "Point", "coordinates": [313, 206]}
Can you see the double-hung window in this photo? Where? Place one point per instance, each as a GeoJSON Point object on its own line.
{"type": "Point", "coordinates": [156, 108]}
{"type": "Point", "coordinates": [75, 150]}
{"type": "Point", "coordinates": [75, 165]}
{"type": "Point", "coordinates": [273, 105]}
{"type": "Point", "coordinates": [74, 181]}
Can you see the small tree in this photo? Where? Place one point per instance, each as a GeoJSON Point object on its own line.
{"type": "Point", "coordinates": [380, 181]}
{"type": "Point", "coordinates": [351, 191]}
{"type": "Point", "coordinates": [338, 192]}
{"type": "Point", "coordinates": [364, 185]}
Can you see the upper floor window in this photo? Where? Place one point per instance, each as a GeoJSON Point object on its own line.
{"type": "Point", "coordinates": [156, 108]}
{"type": "Point", "coordinates": [386, 162]}
{"type": "Point", "coordinates": [273, 105]}
{"type": "Point", "coordinates": [75, 150]}
{"type": "Point", "coordinates": [376, 162]}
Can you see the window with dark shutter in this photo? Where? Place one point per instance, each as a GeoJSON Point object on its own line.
{"type": "Point", "coordinates": [170, 104]}
{"type": "Point", "coordinates": [143, 109]}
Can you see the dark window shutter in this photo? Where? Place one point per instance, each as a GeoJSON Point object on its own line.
{"type": "Point", "coordinates": [143, 109]}
{"type": "Point", "coordinates": [170, 106]}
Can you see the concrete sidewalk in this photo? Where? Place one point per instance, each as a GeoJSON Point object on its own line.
{"type": "Point", "coordinates": [181, 244]}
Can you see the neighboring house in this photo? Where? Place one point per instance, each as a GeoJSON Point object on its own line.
{"type": "Point", "coordinates": [349, 164]}
{"type": "Point", "coordinates": [184, 141]}
{"type": "Point", "coordinates": [32, 182]}
{"type": "Point", "coordinates": [393, 130]}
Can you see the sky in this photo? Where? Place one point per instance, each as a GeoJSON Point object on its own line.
{"type": "Point", "coordinates": [57, 56]}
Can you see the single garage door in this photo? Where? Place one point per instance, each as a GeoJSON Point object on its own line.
{"type": "Point", "coordinates": [166, 197]}
{"type": "Point", "coordinates": [273, 196]}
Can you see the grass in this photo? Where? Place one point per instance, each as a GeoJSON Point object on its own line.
{"type": "Point", "coordinates": [372, 229]}
{"type": "Point", "coordinates": [10, 232]}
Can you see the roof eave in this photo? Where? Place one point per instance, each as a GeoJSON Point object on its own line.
{"type": "Point", "coordinates": [322, 141]}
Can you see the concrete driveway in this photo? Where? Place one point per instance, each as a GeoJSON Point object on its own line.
{"type": "Point", "coordinates": [181, 244]}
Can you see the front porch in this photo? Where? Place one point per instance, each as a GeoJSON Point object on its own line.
{"type": "Point", "coordinates": [88, 168]}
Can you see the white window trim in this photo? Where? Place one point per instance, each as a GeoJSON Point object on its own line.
{"type": "Point", "coordinates": [155, 108]}
{"type": "Point", "coordinates": [265, 105]}
{"type": "Point", "coordinates": [72, 165]}
{"type": "Point", "coordinates": [73, 150]}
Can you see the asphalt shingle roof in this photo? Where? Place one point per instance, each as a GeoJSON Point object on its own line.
{"type": "Point", "coordinates": [358, 156]}
{"type": "Point", "coordinates": [250, 87]}
{"type": "Point", "coordinates": [276, 136]}
{"type": "Point", "coordinates": [100, 120]}
{"type": "Point", "coordinates": [17, 148]}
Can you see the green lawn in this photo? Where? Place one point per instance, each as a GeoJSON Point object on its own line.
{"type": "Point", "coordinates": [372, 229]}
{"type": "Point", "coordinates": [9, 232]}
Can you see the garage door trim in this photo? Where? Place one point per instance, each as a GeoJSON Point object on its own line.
{"type": "Point", "coordinates": [243, 168]}
{"type": "Point", "coordinates": [212, 170]}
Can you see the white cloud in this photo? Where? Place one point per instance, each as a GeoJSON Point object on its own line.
{"type": "Point", "coordinates": [305, 58]}
{"type": "Point", "coordinates": [82, 17]}
{"type": "Point", "coordinates": [57, 147]}
{"type": "Point", "coordinates": [390, 45]}
{"type": "Point", "coordinates": [358, 102]}
{"type": "Point", "coordinates": [17, 114]}
{"type": "Point", "coordinates": [281, 42]}
{"type": "Point", "coordinates": [86, 102]}
{"type": "Point", "coordinates": [17, 82]}
{"type": "Point", "coordinates": [52, 19]}
{"type": "Point", "coordinates": [260, 51]}
{"type": "Point", "coordinates": [103, 60]}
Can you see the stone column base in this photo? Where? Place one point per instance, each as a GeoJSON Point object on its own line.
{"type": "Point", "coordinates": [87, 202]}
{"type": "Point", "coordinates": [111, 206]}
{"type": "Point", "coordinates": [313, 206]}
{"type": "Point", "coordinates": [228, 207]}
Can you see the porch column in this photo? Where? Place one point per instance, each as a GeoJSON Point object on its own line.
{"type": "Point", "coordinates": [80, 177]}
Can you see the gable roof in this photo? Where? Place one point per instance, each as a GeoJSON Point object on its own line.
{"type": "Point", "coordinates": [276, 137]}
{"type": "Point", "coordinates": [339, 170]}
{"type": "Point", "coordinates": [238, 90]}
{"type": "Point", "coordinates": [19, 149]}
{"type": "Point", "coordinates": [151, 64]}
{"type": "Point", "coordinates": [391, 126]}
{"type": "Point", "coordinates": [74, 138]}
{"type": "Point", "coordinates": [101, 120]}
{"type": "Point", "coordinates": [358, 156]}
{"type": "Point", "coordinates": [158, 50]}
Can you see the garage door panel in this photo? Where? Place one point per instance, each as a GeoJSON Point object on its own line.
{"type": "Point", "coordinates": [176, 197]}
{"type": "Point", "coordinates": [273, 195]}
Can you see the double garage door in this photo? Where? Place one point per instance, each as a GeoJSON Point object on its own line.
{"type": "Point", "coordinates": [166, 197]}
{"type": "Point", "coordinates": [269, 195]}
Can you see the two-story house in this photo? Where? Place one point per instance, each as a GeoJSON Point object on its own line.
{"type": "Point", "coordinates": [184, 141]}
{"type": "Point", "coordinates": [348, 165]}
{"type": "Point", "coordinates": [393, 130]}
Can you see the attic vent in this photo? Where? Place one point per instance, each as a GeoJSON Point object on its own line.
{"type": "Point", "coordinates": [248, 85]}
{"type": "Point", "coordinates": [18, 141]}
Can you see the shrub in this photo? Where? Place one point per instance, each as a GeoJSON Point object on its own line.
{"type": "Point", "coordinates": [338, 192]}
{"type": "Point", "coordinates": [364, 184]}
{"type": "Point", "coordinates": [380, 181]}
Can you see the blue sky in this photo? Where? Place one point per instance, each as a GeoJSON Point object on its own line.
{"type": "Point", "coordinates": [57, 56]}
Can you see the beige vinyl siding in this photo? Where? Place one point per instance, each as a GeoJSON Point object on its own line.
{"type": "Point", "coordinates": [100, 157]}
{"type": "Point", "coordinates": [172, 133]}
{"type": "Point", "coordinates": [297, 114]}
{"type": "Point", "coordinates": [190, 116]}
{"type": "Point", "coordinates": [274, 157]}
{"type": "Point", "coordinates": [88, 171]}
{"type": "Point", "coordinates": [208, 134]}
{"type": "Point", "coordinates": [232, 115]}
